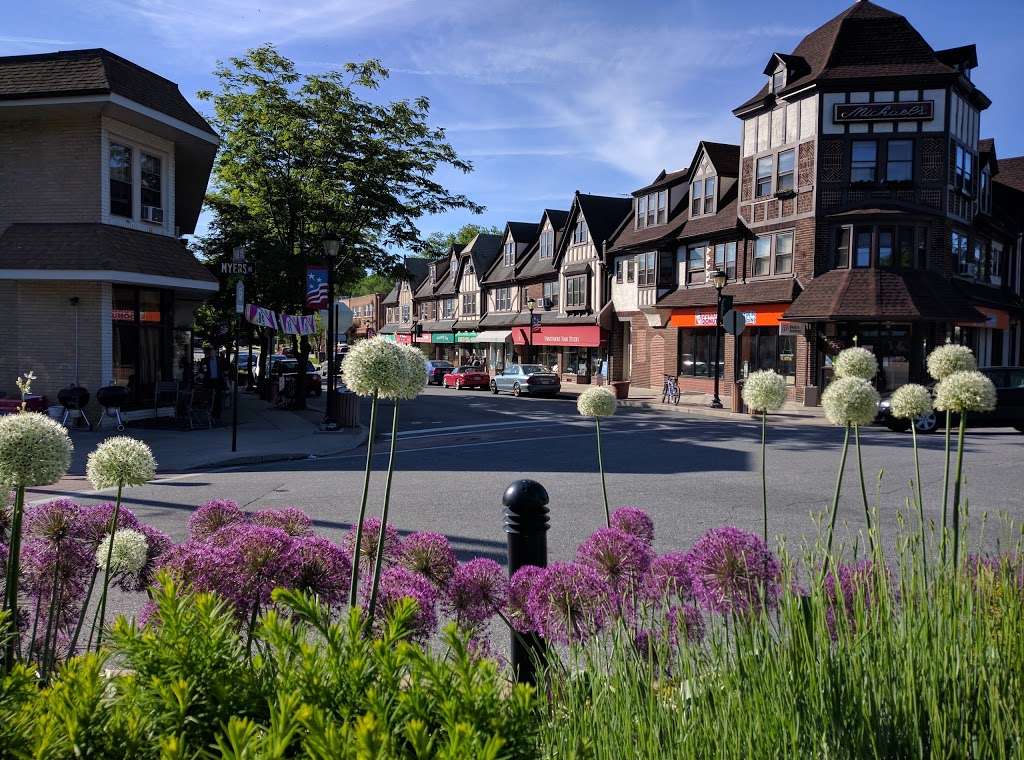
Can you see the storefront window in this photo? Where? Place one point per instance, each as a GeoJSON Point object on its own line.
{"type": "Point", "coordinates": [696, 350]}
{"type": "Point", "coordinates": [763, 348]}
{"type": "Point", "coordinates": [142, 340]}
{"type": "Point", "coordinates": [577, 361]}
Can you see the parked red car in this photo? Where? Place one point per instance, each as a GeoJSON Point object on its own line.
{"type": "Point", "coordinates": [466, 377]}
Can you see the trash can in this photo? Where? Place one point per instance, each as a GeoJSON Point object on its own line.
{"type": "Point", "coordinates": [345, 408]}
{"type": "Point", "coordinates": [736, 400]}
{"type": "Point", "coordinates": [621, 389]}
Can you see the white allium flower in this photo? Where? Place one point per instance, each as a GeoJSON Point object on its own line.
{"type": "Point", "coordinates": [764, 391]}
{"type": "Point", "coordinates": [385, 368]}
{"type": "Point", "coordinates": [596, 401]}
{"type": "Point", "coordinates": [965, 392]}
{"type": "Point", "coordinates": [855, 362]}
{"type": "Point", "coordinates": [910, 401]}
{"type": "Point", "coordinates": [950, 358]}
{"type": "Point", "coordinates": [34, 450]}
{"type": "Point", "coordinates": [128, 554]}
{"type": "Point", "coordinates": [850, 401]}
{"type": "Point", "coordinates": [120, 461]}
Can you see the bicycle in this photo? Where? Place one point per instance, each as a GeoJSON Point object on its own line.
{"type": "Point", "coordinates": [670, 390]}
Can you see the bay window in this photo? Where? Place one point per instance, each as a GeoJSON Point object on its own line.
{"type": "Point", "coordinates": [503, 299]}
{"type": "Point", "coordinates": [151, 188]}
{"type": "Point", "coordinates": [862, 247]}
{"type": "Point", "coordinates": [964, 265]}
{"type": "Point", "coordinates": [551, 295]}
{"type": "Point", "coordinates": [885, 246]}
{"type": "Point", "coordinates": [576, 292]}
{"type": "Point", "coordinates": [646, 269]}
{"type": "Point", "coordinates": [120, 166]}
{"type": "Point", "coordinates": [902, 247]}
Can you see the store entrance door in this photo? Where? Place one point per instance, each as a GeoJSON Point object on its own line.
{"type": "Point", "coordinates": [898, 348]}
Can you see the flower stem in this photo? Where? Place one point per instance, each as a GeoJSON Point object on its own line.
{"type": "Point", "coordinates": [945, 489]}
{"type": "Point", "coordinates": [379, 559]}
{"type": "Point", "coordinates": [835, 498]}
{"type": "Point", "coordinates": [51, 614]}
{"type": "Point", "coordinates": [600, 466]}
{"type": "Point", "coordinates": [13, 574]}
{"type": "Point", "coordinates": [764, 477]}
{"type": "Point", "coordinates": [956, 490]}
{"type": "Point", "coordinates": [102, 612]}
{"type": "Point", "coordinates": [920, 501]}
{"type": "Point", "coordinates": [863, 487]}
{"type": "Point", "coordinates": [81, 615]}
{"type": "Point", "coordinates": [354, 589]}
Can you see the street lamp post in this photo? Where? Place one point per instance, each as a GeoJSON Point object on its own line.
{"type": "Point", "coordinates": [331, 244]}
{"type": "Point", "coordinates": [718, 279]}
{"type": "Point", "coordinates": [531, 304]}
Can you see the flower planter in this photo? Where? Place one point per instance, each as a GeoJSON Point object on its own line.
{"type": "Point", "coordinates": [621, 388]}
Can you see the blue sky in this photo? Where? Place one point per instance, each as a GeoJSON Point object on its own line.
{"type": "Point", "coordinates": [543, 97]}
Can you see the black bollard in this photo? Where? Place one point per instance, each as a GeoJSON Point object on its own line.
{"type": "Point", "coordinates": [526, 526]}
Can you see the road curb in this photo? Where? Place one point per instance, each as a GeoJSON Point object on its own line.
{"type": "Point", "coordinates": [257, 459]}
{"type": "Point", "coordinates": [724, 414]}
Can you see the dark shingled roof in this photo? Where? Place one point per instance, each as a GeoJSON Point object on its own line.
{"type": "Point", "coordinates": [522, 232]}
{"type": "Point", "coordinates": [878, 294]}
{"type": "Point", "coordinates": [664, 178]}
{"type": "Point", "coordinates": [865, 40]}
{"type": "Point", "coordinates": [758, 291]}
{"type": "Point", "coordinates": [724, 219]}
{"type": "Point", "coordinates": [99, 247]}
{"type": "Point", "coordinates": [93, 72]}
{"type": "Point", "coordinates": [530, 265]}
{"type": "Point", "coordinates": [725, 157]}
{"type": "Point", "coordinates": [628, 237]}
{"type": "Point", "coordinates": [604, 214]}
{"type": "Point", "coordinates": [1011, 173]}
{"type": "Point", "coordinates": [483, 249]}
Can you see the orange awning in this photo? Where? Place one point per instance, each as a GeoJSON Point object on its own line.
{"type": "Point", "coordinates": [766, 315]}
{"type": "Point", "coordinates": [995, 319]}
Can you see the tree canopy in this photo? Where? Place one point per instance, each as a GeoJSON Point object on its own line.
{"type": "Point", "coordinates": [437, 244]}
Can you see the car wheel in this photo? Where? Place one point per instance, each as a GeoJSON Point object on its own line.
{"type": "Point", "coordinates": [927, 423]}
{"type": "Point", "coordinates": [444, 384]}
{"type": "Point", "coordinates": [458, 385]}
{"type": "Point", "coordinates": [516, 390]}
{"type": "Point", "coordinates": [494, 388]}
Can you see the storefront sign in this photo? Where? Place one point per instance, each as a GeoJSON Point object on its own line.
{"type": "Point", "coordinates": [918, 110]}
{"type": "Point", "coordinates": [584, 336]}
{"type": "Point", "coordinates": [389, 338]}
{"type": "Point", "coordinates": [995, 319]}
{"type": "Point", "coordinates": [791, 328]}
{"type": "Point", "coordinates": [466, 337]}
{"type": "Point", "coordinates": [754, 316]}
{"type": "Point", "coordinates": [424, 338]}
{"type": "Point", "coordinates": [403, 339]}
{"type": "Point", "coordinates": [442, 337]}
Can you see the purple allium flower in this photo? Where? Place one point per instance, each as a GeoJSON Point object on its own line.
{"type": "Point", "coordinates": [94, 524]}
{"type": "Point", "coordinates": [261, 559]}
{"type": "Point", "coordinates": [430, 555]}
{"type": "Point", "coordinates": [620, 558]}
{"type": "Point", "coordinates": [199, 566]}
{"type": "Point", "coordinates": [635, 522]}
{"type": "Point", "coordinates": [685, 622]}
{"type": "Point", "coordinates": [212, 516]}
{"type": "Point", "coordinates": [52, 520]}
{"type": "Point", "coordinates": [569, 602]}
{"type": "Point", "coordinates": [398, 583]}
{"type": "Point", "coordinates": [148, 614]}
{"type": "Point", "coordinates": [68, 562]}
{"type": "Point", "coordinates": [855, 582]}
{"type": "Point", "coordinates": [477, 590]}
{"type": "Point", "coordinates": [480, 648]}
{"type": "Point", "coordinates": [734, 571]}
{"type": "Point", "coordinates": [668, 579]}
{"type": "Point", "coordinates": [291, 520]}
{"type": "Point", "coordinates": [324, 569]}
{"type": "Point", "coordinates": [157, 544]}
{"type": "Point", "coordinates": [519, 587]}
{"type": "Point", "coordinates": [371, 535]}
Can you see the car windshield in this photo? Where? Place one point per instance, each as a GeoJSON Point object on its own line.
{"type": "Point", "coordinates": [465, 370]}
{"type": "Point", "coordinates": [533, 369]}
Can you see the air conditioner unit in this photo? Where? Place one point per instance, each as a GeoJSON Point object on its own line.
{"type": "Point", "coordinates": [153, 214]}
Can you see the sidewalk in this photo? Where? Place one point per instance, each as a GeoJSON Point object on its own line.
{"type": "Point", "coordinates": [265, 435]}
{"type": "Point", "coordinates": [700, 404]}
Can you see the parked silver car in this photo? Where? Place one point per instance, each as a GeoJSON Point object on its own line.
{"type": "Point", "coordinates": [533, 379]}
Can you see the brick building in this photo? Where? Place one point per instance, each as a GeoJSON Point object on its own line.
{"type": "Point", "coordinates": [103, 166]}
{"type": "Point", "coordinates": [367, 315]}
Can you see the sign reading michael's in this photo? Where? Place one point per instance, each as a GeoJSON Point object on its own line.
{"type": "Point", "coordinates": [920, 110]}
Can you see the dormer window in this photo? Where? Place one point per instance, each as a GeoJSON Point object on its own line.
{"type": "Point", "coordinates": [651, 209]}
{"type": "Point", "coordinates": [702, 195]}
{"type": "Point", "coordinates": [547, 243]}
{"type": "Point", "coordinates": [433, 274]}
{"type": "Point", "coordinates": [509, 257]}
{"type": "Point", "coordinates": [778, 79]}
{"type": "Point", "coordinates": [579, 233]}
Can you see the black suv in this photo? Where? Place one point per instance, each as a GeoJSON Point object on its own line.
{"type": "Point", "coordinates": [1009, 411]}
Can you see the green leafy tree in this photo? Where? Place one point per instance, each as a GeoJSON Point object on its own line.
{"type": "Point", "coordinates": [371, 283]}
{"type": "Point", "coordinates": [438, 244]}
{"type": "Point", "coordinates": [304, 155]}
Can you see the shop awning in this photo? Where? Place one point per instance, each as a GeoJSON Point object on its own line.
{"type": "Point", "coordinates": [995, 319]}
{"type": "Point", "coordinates": [493, 336]}
{"type": "Point", "coordinates": [756, 315]}
{"type": "Point", "coordinates": [582, 336]}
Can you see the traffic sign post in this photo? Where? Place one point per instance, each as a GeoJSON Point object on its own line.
{"type": "Point", "coordinates": [238, 267]}
{"type": "Point", "coordinates": [734, 322]}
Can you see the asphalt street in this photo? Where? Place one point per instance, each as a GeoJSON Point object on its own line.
{"type": "Point", "coordinates": [458, 450]}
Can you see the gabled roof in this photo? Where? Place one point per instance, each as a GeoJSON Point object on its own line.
{"type": "Point", "coordinates": [723, 220]}
{"type": "Point", "coordinates": [483, 250]}
{"type": "Point", "coordinates": [1011, 173]}
{"type": "Point", "coordinates": [530, 265]}
{"type": "Point", "coordinates": [604, 214]}
{"type": "Point", "coordinates": [94, 71]}
{"type": "Point", "coordinates": [521, 233]}
{"type": "Point", "coordinates": [664, 179]}
{"type": "Point", "coordinates": [628, 237]}
{"type": "Point", "coordinates": [723, 156]}
{"type": "Point", "coordinates": [865, 40]}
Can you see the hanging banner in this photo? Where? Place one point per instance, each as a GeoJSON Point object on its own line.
{"type": "Point", "coordinates": [316, 287]}
{"type": "Point", "coordinates": [261, 316]}
{"type": "Point", "coordinates": [304, 324]}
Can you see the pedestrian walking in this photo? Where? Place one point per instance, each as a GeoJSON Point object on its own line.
{"type": "Point", "coordinates": [215, 381]}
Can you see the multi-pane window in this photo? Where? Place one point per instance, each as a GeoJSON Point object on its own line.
{"type": "Point", "coordinates": [709, 195]}
{"type": "Point", "coordinates": [509, 257]}
{"type": "Point", "coordinates": [778, 79]}
{"type": "Point", "coordinates": [503, 299]}
{"type": "Point", "coordinates": [695, 352]}
{"type": "Point", "coordinates": [120, 164]}
{"type": "Point", "coordinates": [579, 233]}
{"type": "Point", "coordinates": [964, 170]}
{"type": "Point", "coordinates": [152, 204]}
{"type": "Point", "coordinates": [406, 312]}
{"type": "Point", "coordinates": [547, 244]}
{"type": "Point", "coordinates": [787, 171]}
{"type": "Point", "coordinates": [961, 254]}
{"type": "Point", "coordinates": [763, 255]}
{"type": "Point", "coordinates": [899, 161]}
{"type": "Point", "coordinates": [449, 308]}
{"type": "Point", "coordinates": [843, 247]}
{"type": "Point", "coordinates": [695, 265]}
{"type": "Point", "coordinates": [551, 295]}
{"type": "Point", "coordinates": [783, 252]}
{"type": "Point", "coordinates": [576, 292]}
{"type": "Point", "coordinates": [620, 265]}
{"type": "Point", "coordinates": [862, 247]}
{"type": "Point", "coordinates": [646, 271]}
{"type": "Point", "coordinates": [631, 270]}
{"type": "Point", "coordinates": [995, 275]}
{"type": "Point", "coordinates": [725, 259]}
{"type": "Point", "coordinates": [652, 209]}
{"type": "Point", "coordinates": [902, 247]}
{"type": "Point", "coordinates": [763, 183]}
{"type": "Point", "coordinates": [696, 196]}
{"type": "Point", "coordinates": [886, 242]}
{"type": "Point", "coordinates": [864, 166]}
{"type": "Point", "coordinates": [469, 303]}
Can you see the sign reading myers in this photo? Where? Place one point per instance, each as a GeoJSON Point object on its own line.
{"type": "Point", "coordinates": [918, 110]}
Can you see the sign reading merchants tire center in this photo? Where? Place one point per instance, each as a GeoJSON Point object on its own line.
{"type": "Point", "coordinates": [918, 110]}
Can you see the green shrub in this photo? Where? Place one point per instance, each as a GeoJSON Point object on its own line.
{"type": "Point", "coordinates": [185, 687]}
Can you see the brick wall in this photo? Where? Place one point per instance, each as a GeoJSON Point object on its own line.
{"type": "Point", "coordinates": [50, 170]}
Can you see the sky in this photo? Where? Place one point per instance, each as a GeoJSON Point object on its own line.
{"type": "Point", "coordinates": [544, 98]}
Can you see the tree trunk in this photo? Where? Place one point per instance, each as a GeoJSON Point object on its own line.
{"type": "Point", "coordinates": [266, 349]}
{"type": "Point", "coordinates": [301, 346]}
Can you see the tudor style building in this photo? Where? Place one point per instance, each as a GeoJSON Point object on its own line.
{"type": "Point", "coordinates": [399, 318]}
{"type": "Point", "coordinates": [103, 166]}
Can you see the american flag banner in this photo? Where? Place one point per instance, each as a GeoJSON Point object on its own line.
{"type": "Point", "coordinates": [316, 287]}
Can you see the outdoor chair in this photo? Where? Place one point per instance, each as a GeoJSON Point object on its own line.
{"type": "Point", "coordinates": [165, 394]}
{"type": "Point", "coordinates": [200, 408]}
